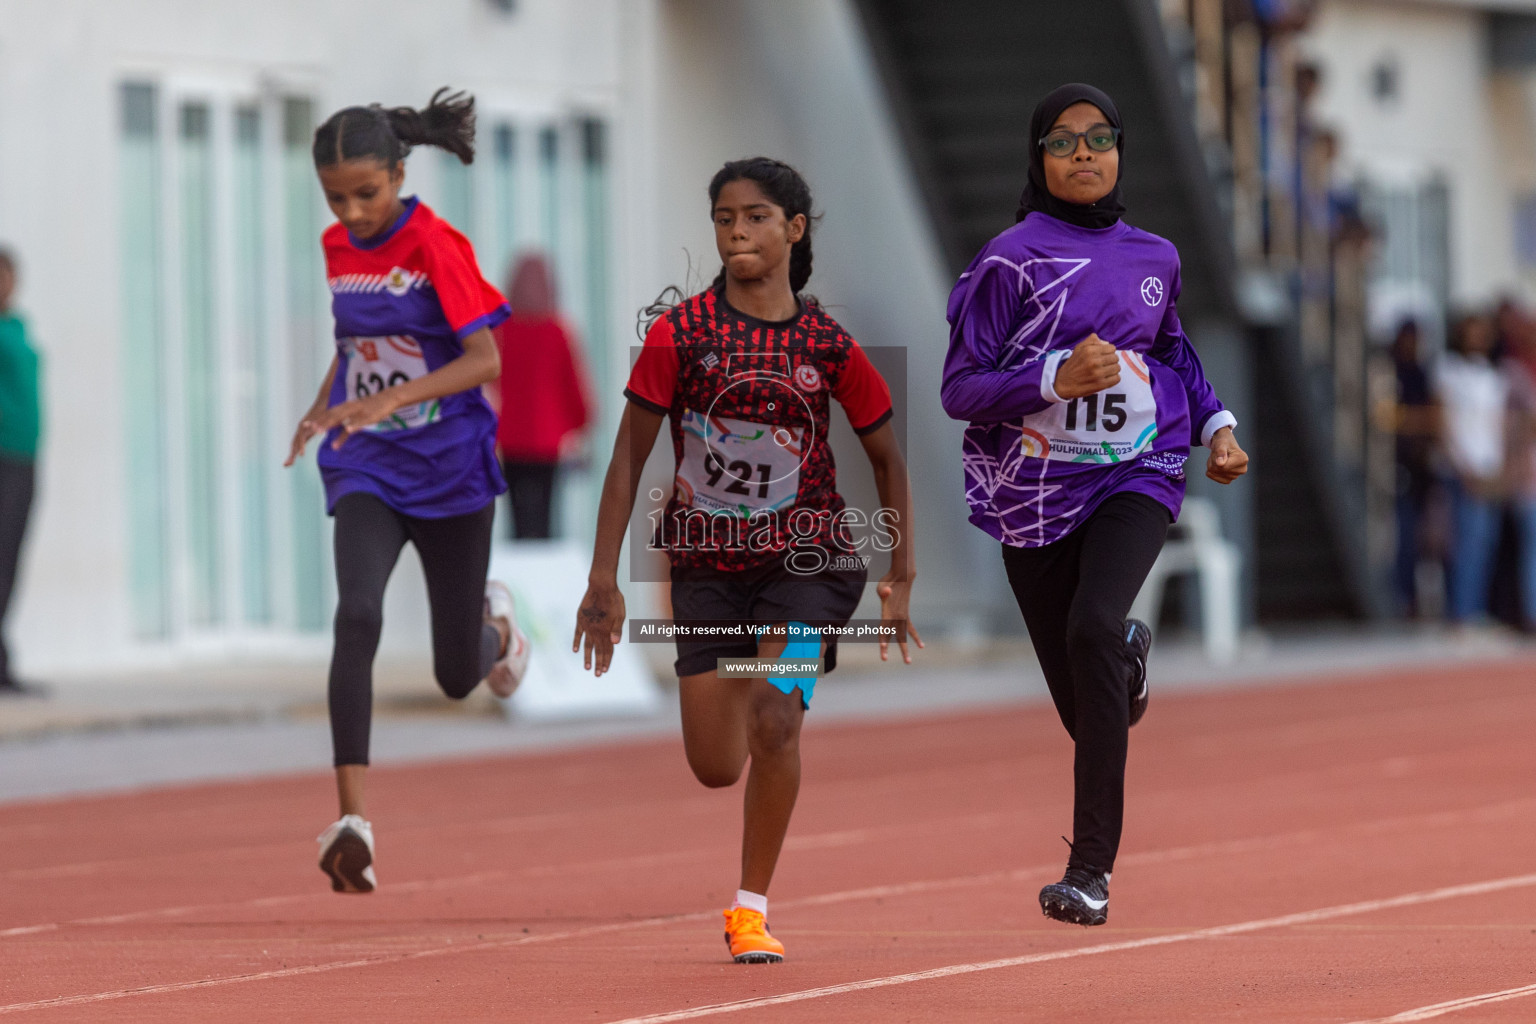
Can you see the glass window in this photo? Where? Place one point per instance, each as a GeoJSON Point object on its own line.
{"type": "Point", "coordinates": [549, 192]}
{"type": "Point", "coordinates": [458, 192]}
{"type": "Point", "coordinates": [310, 353]}
{"type": "Point", "coordinates": [1525, 229]}
{"type": "Point", "coordinates": [595, 293]}
{"type": "Point", "coordinates": [200, 365]}
{"type": "Point", "coordinates": [498, 260]}
{"type": "Point", "coordinates": [143, 360]}
{"type": "Point", "coordinates": [596, 248]}
{"type": "Point", "coordinates": [249, 377]}
{"type": "Point", "coordinates": [223, 306]}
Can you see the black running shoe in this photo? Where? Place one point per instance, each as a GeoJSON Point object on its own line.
{"type": "Point", "coordinates": [1081, 897]}
{"type": "Point", "coordinates": [1138, 637]}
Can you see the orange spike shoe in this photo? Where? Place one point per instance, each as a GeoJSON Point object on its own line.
{"type": "Point", "coordinates": [746, 932]}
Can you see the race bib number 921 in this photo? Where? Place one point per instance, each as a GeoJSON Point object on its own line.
{"type": "Point", "coordinates": [738, 467]}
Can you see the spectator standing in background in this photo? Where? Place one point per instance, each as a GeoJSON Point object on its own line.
{"type": "Point", "coordinates": [20, 423]}
{"type": "Point", "coordinates": [1520, 367]}
{"type": "Point", "coordinates": [1473, 397]}
{"type": "Point", "coordinates": [1507, 322]}
{"type": "Point", "coordinates": [1415, 424]}
{"type": "Point", "coordinates": [544, 406]}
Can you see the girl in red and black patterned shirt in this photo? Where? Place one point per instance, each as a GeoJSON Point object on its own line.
{"type": "Point", "coordinates": [759, 540]}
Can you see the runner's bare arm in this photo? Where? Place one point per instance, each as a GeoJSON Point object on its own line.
{"type": "Point", "coordinates": [481, 362]}
{"type": "Point", "coordinates": [600, 617]}
{"type": "Point", "coordinates": [893, 486]}
{"type": "Point", "coordinates": [307, 428]}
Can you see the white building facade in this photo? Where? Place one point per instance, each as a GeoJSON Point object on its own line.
{"type": "Point", "coordinates": [1434, 106]}
{"type": "Point", "coordinates": [156, 184]}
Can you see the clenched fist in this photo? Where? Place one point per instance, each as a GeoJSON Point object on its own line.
{"type": "Point", "coordinates": [1093, 366]}
{"type": "Point", "coordinates": [1228, 461]}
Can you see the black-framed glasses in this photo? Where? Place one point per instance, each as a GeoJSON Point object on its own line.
{"type": "Point", "coordinates": [1101, 138]}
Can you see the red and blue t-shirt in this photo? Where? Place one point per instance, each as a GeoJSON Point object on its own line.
{"type": "Point", "coordinates": [404, 301]}
{"type": "Point", "coordinates": [750, 408]}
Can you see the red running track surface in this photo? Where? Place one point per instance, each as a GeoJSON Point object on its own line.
{"type": "Point", "coordinates": [1344, 852]}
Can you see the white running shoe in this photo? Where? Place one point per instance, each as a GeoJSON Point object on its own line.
{"type": "Point", "coordinates": [507, 674]}
{"type": "Point", "coordinates": [346, 854]}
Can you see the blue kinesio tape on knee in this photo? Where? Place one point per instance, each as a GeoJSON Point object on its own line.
{"type": "Point", "coordinates": [804, 644]}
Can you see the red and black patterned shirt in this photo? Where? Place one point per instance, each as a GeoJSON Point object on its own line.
{"type": "Point", "coordinates": [749, 403]}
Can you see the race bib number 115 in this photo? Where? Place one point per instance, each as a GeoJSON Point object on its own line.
{"type": "Point", "coordinates": [1114, 425]}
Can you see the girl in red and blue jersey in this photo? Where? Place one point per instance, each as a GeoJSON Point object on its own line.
{"type": "Point", "coordinates": [409, 450]}
{"type": "Point", "coordinates": [755, 530]}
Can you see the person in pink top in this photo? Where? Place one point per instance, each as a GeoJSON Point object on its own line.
{"type": "Point", "coordinates": [544, 405]}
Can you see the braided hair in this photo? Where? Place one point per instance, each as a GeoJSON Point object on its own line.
{"type": "Point", "coordinates": [388, 134]}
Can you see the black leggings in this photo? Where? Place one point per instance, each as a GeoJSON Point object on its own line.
{"type": "Point", "coordinates": [455, 553]}
{"type": "Point", "coordinates": [1075, 595]}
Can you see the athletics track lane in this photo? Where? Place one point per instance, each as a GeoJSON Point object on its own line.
{"type": "Point", "coordinates": [585, 885]}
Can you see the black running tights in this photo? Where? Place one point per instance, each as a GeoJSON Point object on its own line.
{"type": "Point", "coordinates": [455, 553]}
{"type": "Point", "coordinates": [1075, 595]}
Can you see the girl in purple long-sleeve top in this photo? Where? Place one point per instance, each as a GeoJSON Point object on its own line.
{"type": "Point", "coordinates": [1084, 397]}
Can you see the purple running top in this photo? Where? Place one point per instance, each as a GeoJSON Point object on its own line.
{"type": "Point", "coordinates": [1036, 465]}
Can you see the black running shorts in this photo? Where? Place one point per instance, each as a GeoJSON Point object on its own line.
{"type": "Point", "coordinates": [764, 595]}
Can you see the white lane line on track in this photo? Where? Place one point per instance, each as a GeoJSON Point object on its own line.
{"type": "Point", "coordinates": [816, 841]}
{"type": "Point", "coordinates": [1304, 917]}
{"type": "Point", "coordinates": [1466, 1003]}
{"type": "Point", "coordinates": [338, 965]}
{"type": "Point", "coordinates": [511, 825]}
{"type": "Point", "coordinates": [1220, 848]}
{"type": "Point", "coordinates": [1220, 931]}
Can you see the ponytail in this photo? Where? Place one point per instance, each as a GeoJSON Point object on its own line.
{"type": "Point", "coordinates": [447, 122]}
{"type": "Point", "coordinates": [657, 308]}
{"type": "Point", "coordinates": [388, 135]}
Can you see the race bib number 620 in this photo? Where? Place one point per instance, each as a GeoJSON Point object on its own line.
{"type": "Point", "coordinates": [374, 364]}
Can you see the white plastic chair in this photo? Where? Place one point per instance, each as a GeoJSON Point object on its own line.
{"type": "Point", "coordinates": [1196, 545]}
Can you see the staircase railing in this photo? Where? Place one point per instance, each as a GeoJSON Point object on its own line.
{"type": "Point", "coordinates": [1304, 246]}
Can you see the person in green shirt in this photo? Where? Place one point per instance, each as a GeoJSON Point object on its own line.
{"type": "Point", "coordinates": [20, 423]}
